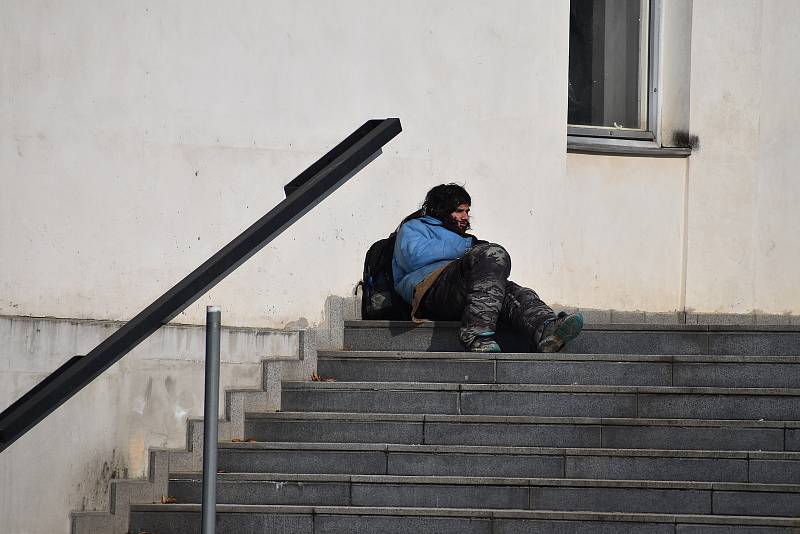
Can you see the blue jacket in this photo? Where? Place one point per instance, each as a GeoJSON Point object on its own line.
{"type": "Point", "coordinates": [423, 245]}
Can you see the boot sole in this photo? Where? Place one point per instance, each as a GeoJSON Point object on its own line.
{"type": "Point", "coordinates": [488, 349]}
{"type": "Point", "coordinates": [566, 332]}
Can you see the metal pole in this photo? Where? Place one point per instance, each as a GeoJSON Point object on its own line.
{"type": "Point", "coordinates": [210, 420]}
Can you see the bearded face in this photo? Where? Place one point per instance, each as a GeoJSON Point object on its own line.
{"type": "Point", "coordinates": [449, 203]}
{"type": "Point", "coordinates": [460, 217]}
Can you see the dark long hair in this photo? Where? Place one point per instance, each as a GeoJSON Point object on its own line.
{"type": "Point", "coordinates": [443, 200]}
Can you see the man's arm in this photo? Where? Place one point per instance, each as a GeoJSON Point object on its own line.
{"type": "Point", "coordinates": [418, 246]}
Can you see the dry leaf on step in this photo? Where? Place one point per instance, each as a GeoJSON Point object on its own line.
{"type": "Point", "coordinates": [316, 378]}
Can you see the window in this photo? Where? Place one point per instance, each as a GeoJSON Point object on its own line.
{"type": "Point", "coordinates": [612, 83]}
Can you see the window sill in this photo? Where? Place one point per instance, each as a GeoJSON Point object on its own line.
{"type": "Point", "coordinates": [623, 147]}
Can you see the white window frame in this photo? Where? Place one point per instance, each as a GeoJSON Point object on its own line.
{"type": "Point", "coordinates": [597, 138]}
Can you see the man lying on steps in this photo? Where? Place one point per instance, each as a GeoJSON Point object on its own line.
{"type": "Point", "coordinates": [447, 274]}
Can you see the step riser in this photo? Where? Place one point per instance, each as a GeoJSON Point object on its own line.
{"type": "Point", "coordinates": [548, 404]}
{"type": "Point", "coordinates": [445, 339]}
{"type": "Point", "coordinates": [522, 435]}
{"type": "Point", "coordinates": [738, 375]}
{"type": "Point", "coordinates": [407, 371]}
{"type": "Point", "coordinates": [512, 465]}
{"type": "Point", "coordinates": [625, 500]}
{"type": "Point", "coordinates": [189, 523]}
{"type": "Point", "coordinates": [577, 463]}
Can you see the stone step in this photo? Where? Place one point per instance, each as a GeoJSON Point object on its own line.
{"type": "Point", "coordinates": [185, 519]}
{"type": "Point", "coordinates": [320, 427]}
{"type": "Point", "coordinates": [441, 336]}
{"type": "Point", "coordinates": [516, 462]}
{"type": "Point", "coordinates": [608, 369]}
{"type": "Point", "coordinates": [625, 496]}
{"type": "Point", "coordinates": [775, 404]}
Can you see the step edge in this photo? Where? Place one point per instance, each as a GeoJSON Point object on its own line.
{"type": "Point", "coordinates": [478, 513]}
{"type": "Point", "coordinates": [533, 357]}
{"type": "Point", "coordinates": [511, 451]}
{"type": "Point", "coordinates": [352, 324]}
{"type": "Point", "coordinates": [368, 417]}
{"type": "Point", "coordinates": [325, 478]}
{"type": "Point", "coordinates": [545, 388]}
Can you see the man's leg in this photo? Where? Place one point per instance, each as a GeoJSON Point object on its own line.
{"type": "Point", "coordinates": [471, 289]}
{"type": "Point", "coordinates": [546, 331]}
{"type": "Point", "coordinates": [525, 312]}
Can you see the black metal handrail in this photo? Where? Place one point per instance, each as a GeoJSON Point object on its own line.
{"type": "Point", "coordinates": [303, 193]}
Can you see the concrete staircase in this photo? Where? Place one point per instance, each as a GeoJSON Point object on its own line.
{"type": "Point", "coordinates": [641, 428]}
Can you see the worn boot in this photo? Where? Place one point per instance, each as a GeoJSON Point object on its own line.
{"type": "Point", "coordinates": [559, 331]}
{"type": "Point", "coordinates": [484, 343]}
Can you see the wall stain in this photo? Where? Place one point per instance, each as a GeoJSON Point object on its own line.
{"type": "Point", "coordinates": [94, 488]}
{"type": "Point", "coordinates": [169, 383]}
{"type": "Point", "coordinates": [148, 392]}
{"type": "Point", "coordinates": [684, 139]}
{"type": "Point", "coordinates": [299, 324]}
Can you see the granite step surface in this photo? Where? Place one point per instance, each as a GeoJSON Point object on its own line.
{"type": "Point", "coordinates": [185, 519]}
{"type": "Point", "coordinates": [517, 462]}
{"type": "Point", "coordinates": [653, 402]}
{"type": "Point", "coordinates": [640, 428]}
{"type": "Point", "coordinates": [524, 431]}
{"type": "Point", "coordinates": [441, 336]}
{"type": "Point", "coordinates": [624, 496]}
{"type": "Point", "coordinates": [521, 368]}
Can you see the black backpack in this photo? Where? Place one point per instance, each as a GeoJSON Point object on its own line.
{"type": "Point", "coordinates": [379, 300]}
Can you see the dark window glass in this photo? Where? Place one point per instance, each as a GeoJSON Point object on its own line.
{"type": "Point", "coordinates": [608, 63]}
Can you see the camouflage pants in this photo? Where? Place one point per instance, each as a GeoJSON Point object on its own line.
{"type": "Point", "coordinates": [475, 289]}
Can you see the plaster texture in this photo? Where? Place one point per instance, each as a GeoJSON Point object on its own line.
{"type": "Point", "coordinates": [742, 187]}
{"type": "Point", "coordinates": [619, 232]}
{"type": "Point", "coordinates": [105, 431]}
{"type": "Point", "coordinates": [141, 139]}
{"type": "Point", "coordinates": [182, 160]}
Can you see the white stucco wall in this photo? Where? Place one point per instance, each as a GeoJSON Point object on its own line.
{"type": "Point", "coordinates": [621, 232]}
{"type": "Point", "coordinates": [141, 138]}
{"type": "Point", "coordinates": [743, 244]}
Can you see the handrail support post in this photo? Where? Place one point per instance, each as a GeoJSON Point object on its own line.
{"type": "Point", "coordinates": [211, 420]}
